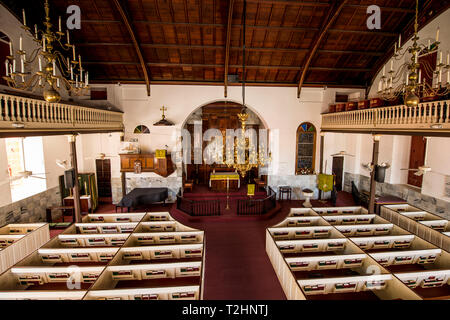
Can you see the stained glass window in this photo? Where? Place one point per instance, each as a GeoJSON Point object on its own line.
{"type": "Point", "coordinates": [306, 148]}
{"type": "Point", "coordinates": [141, 129]}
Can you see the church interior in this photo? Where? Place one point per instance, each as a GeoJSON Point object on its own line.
{"type": "Point", "coordinates": [224, 150]}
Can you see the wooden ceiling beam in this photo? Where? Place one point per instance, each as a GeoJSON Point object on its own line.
{"type": "Point", "coordinates": [199, 65]}
{"type": "Point", "coordinates": [227, 46]}
{"type": "Point", "coordinates": [211, 47]}
{"type": "Point", "coordinates": [131, 31]}
{"type": "Point", "coordinates": [331, 17]}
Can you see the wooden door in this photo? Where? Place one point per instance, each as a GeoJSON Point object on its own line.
{"type": "Point", "coordinates": [338, 171]}
{"type": "Point", "coordinates": [103, 177]}
{"type": "Point", "coordinates": [416, 159]}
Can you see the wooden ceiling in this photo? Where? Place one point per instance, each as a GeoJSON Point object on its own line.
{"type": "Point", "coordinates": [288, 43]}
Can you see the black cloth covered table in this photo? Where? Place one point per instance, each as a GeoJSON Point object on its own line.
{"type": "Point", "coordinates": [144, 196]}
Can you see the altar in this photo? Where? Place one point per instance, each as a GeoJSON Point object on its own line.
{"type": "Point", "coordinates": [218, 181]}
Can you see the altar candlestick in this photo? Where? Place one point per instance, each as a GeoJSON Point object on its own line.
{"type": "Point", "coordinates": [24, 18]}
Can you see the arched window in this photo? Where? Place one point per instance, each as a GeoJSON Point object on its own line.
{"type": "Point", "coordinates": [141, 129]}
{"type": "Point", "coordinates": [306, 149]}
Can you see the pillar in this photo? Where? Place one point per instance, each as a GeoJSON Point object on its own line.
{"type": "Point", "coordinates": [373, 183]}
{"type": "Point", "coordinates": [76, 187]}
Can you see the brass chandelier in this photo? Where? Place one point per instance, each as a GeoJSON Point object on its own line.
{"type": "Point", "coordinates": [73, 77]}
{"type": "Point", "coordinates": [244, 155]}
{"type": "Point", "coordinates": [407, 80]}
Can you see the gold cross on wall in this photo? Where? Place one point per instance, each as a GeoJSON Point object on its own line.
{"type": "Point", "coordinates": [163, 109]}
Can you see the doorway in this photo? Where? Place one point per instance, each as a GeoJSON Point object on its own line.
{"type": "Point", "coordinates": [338, 171]}
{"type": "Point", "coordinates": [416, 159]}
{"type": "Point", "coordinates": [103, 167]}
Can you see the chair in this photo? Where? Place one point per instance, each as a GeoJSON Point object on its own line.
{"type": "Point", "coordinates": [187, 184]}
{"type": "Point", "coordinates": [261, 182]}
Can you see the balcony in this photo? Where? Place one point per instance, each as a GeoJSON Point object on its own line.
{"type": "Point", "coordinates": [429, 118]}
{"type": "Point", "coordinates": [27, 116]}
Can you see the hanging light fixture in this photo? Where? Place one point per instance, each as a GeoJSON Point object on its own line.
{"type": "Point", "coordinates": [245, 156]}
{"type": "Point", "coordinates": [73, 77]}
{"type": "Point", "coordinates": [407, 80]}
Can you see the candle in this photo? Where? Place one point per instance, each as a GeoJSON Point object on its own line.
{"type": "Point", "coordinates": [437, 34]}
{"type": "Point", "coordinates": [392, 64]}
{"type": "Point", "coordinates": [420, 76]}
{"type": "Point", "coordinates": [35, 31]}
{"type": "Point", "coordinates": [71, 73]}
{"type": "Point", "coordinates": [429, 44]}
{"type": "Point", "coordinates": [448, 58]}
{"type": "Point", "coordinates": [22, 66]}
{"type": "Point", "coordinates": [399, 40]}
{"type": "Point", "coordinates": [68, 38]}
{"type": "Point", "coordinates": [40, 64]}
{"type": "Point", "coordinates": [391, 83]}
{"type": "Point", "coordinates": [79, 60]}
{"type": "Point", "coordinates": [40, 81]}
{"type": "Point", "coordinates": [76, 81]}
{"type": "Point", "coordinates": [54, 67]}
{"type": "Point", "coordinates": [24, 18]}
{"type": "Point", "coordinates": [7, 67]}
{"type": "Point", "coordinates": [87, 78]}
{"type": "Point", "coordinates": [448, 76]}
{"type": "Point", "coordinates": [380, 86]}
{"type": "Point", "coordinates": [59, 24]}
{"type": "Point", "coordinates": [43, 43]}
{"type": "Point", "coordinates": [440, 57]}
{"type": "Point", "coordinates": [395, 48]}
{"type": "Point", "coordinates": [417, 56]}
{"type": "Point", "coordinates": [440, 76]}
{"type": "Point", "coordinates": [57, 82]}
{"type": "Point", "coordinates": [407, 78]}
{"type": "Point", "coordinates": [68, 63]}
{"type": "Point", "coordinates": [73, 50]}
{"type": "Point", "coordinates": [384, 71]}
{"type": "Point", "coordinates": [20, 43]}
{"type": "Point", "coordinates": [10, 49]}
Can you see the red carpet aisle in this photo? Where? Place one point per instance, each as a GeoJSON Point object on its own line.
{"type": "Point", "coordinates": [237, 266]}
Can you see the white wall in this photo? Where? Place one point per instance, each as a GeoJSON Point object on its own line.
{"type": "Point", "coordinates": [438, 158]}
{"type": "Point", "coordinates": [426, 33]}
{"type": "Point", "coordinates": [278, 108]}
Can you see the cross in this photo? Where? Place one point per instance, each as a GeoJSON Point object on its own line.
{"type": "Point", "coordinates": [163, 109]}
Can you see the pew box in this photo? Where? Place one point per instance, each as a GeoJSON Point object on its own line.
{"type": "Point", "coordinates": [376, 103]}
{"type": "Point", "coordinates": [345, 287]}
{"type": "Point", "coordinates": [132, 256]}
{"type": "Point", "coordinates": [69, 242]}
{"type": "Point", "coordinates": [31, 280]}
{"type": "Point", "coordinates": [327, 264]}
{"type": "Point", "coordinates": [117, 242]}
{"type": "Point", "coordinates": [340, 107]}
{"type": "Point", "coordinates": [375, 285]}
{"type": "Point", "coordinates": [183, 296]}
{"type": "Point", "coordinates": [155, 274]}
{"type": "Point", "coordinates": [122, 275]}
{"type": "Point", "coordinates": [193, 253]}
{"type": "Point", "coordinates": [146, 297]}
{"type": "Point", "coordinates": [162, 254]}
{"type": "Point", "coordinates": [58, 277]}
{"type": "Point", "coordinates": [143, 240]}
{"type": "Point", "coordinates": [332, 108]}
{"type": "Point", "coordinates": [350, 106]}
{"type": "Point", "coordinates": [90, 277]}
{"type": "Point", "coordinates": [188, 238]}
{"type": "Point", "coordinates": [189, 271]}
{"type": "Point", "coordinates": [166, 239]}
{"type": "Point", "coordinates": [98, 241]}
{"type": "Point", "coordinates": [365, 104]}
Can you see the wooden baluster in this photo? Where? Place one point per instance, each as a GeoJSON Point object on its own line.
{"type": "Point", "coordinates": [2, 108]}
{"type": "Point", "coordinates": [447, 120]}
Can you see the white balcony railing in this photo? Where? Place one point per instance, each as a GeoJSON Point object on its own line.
{"type": "Point", "coordinates": [426, 117]}
{"type": "Point", "coordinates": [26, 114]}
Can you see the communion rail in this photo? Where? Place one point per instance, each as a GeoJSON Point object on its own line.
{"type": "Point", "coordinates": [426, 117]}
{"type": "Point", "coordinates": [257, 207]}
{"type": "Point", "coordinates": [21, 114]}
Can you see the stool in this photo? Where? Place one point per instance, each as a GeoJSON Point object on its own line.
{"type": "Point", "coordinates": [285, 190]}
{"type": "Point", "coordinates": [307, 193]}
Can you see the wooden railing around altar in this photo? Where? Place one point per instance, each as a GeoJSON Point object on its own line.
{"type": "Point", "coordinates": [27, 115]}
{"type": "Point", "coordinates": [257, 207]}
{"type": "Point", "coordinates": [198, 207]}
{"type": "Point", "coordinates": [426, 117]}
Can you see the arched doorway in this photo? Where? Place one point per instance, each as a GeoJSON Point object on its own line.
{"type": "Point", "coordinates": [221, 115]}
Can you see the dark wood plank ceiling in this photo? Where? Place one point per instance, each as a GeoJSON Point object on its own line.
{"type": "Point", "coordinates": [184, 41]}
